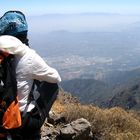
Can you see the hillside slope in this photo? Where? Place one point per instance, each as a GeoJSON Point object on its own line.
{"type": "Point", "coordinates": [90, 91]}
{"type": "Point", "coordinates": [107, 124]}
{"type": "Point", "coordinates": [126, 96]}
{"type": "Point", "coordinates": [87, 90]}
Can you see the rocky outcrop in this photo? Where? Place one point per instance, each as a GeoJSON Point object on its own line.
{"type": "Point", "coordinates": [79, 129]}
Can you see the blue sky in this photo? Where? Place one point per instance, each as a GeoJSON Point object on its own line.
{"type": "Point", "coordinates": [37, 7]}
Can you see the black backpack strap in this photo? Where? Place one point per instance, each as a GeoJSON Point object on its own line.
{"type": "Point", "coordinates": [24, 114]}
{"type": "Point", "coordinates": [30, 98]}
{"type": "Point", "coordinates": [48, 94]}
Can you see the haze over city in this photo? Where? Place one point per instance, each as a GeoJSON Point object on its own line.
{"type": "Point", "coordinates": [102, 35]}
{"type": "Point", "coordinates": [34, 7]}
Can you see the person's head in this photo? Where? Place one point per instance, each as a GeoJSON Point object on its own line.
{"type": "Point", "coordinates": [14, 23]}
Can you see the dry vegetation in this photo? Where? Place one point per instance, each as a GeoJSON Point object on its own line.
{"type": "Point", "coordinates": [107, 124]}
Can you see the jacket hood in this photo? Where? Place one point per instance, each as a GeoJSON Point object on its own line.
{"type": "Point", "coordinates": [12, 45]}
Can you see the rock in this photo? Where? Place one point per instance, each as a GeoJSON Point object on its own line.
{"type": "Point", "coordinates": [49, 133]}
{"type": "Point", "coordinates": [55, 119]}
{"type": "Point", "coordinates": [76, 130]}
{"type": "Point", "coordinates": [67, 132]}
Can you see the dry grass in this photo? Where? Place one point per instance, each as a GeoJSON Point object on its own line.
{"type": "Point", "coordinates": [58, 107]}
{"type": "Point", "coordinates": [107, 124]}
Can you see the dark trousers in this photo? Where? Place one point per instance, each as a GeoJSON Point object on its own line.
{"type": "Point", "coordinates": [30, 130]}
{"type": "Point", "coordinates": [32, 123]}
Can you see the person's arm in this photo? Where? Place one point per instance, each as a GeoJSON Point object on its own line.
{"type": "Point", "coordinates": [43, 72]}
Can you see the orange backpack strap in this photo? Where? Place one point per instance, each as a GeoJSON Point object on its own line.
{"type": "Point", "coordinates": [12, 116]}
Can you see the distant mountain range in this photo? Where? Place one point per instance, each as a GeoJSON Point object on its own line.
{"type": "Point", "coordinates": [126, 94]}
{"type": "Point", "coordinates": [81, 22]}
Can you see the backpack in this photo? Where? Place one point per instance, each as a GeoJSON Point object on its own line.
{"type": "Point", "coordinates": [10, 117]}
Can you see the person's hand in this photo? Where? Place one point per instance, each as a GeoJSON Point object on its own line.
{"type": "Point", "coordinates": [1, 58]}
{"type": "Point", "coordinates": [3, 55]}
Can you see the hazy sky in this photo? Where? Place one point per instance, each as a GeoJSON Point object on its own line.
{"type": "Point", "coordinates": [35, 7]}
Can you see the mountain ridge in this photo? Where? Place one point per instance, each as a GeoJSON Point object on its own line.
{"type": "Point", "coordinates": [91, 91]}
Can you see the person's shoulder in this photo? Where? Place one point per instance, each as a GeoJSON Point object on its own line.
{"type": "Point", "coordinates": [30, 51]}
{"type": "Point", "coordinates": [32, 54]}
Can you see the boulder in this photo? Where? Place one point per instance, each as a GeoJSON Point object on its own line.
{"type": "Point", "coordinates": [76, 130]}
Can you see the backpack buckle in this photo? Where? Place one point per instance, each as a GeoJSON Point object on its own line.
{"type": "Point", "coordinates": [9, 137]}
{"type": "Point", "coordinates": [6, 135]}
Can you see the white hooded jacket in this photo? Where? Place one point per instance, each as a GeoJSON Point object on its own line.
{"type": "Point", "coordinates": [29, 66]}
